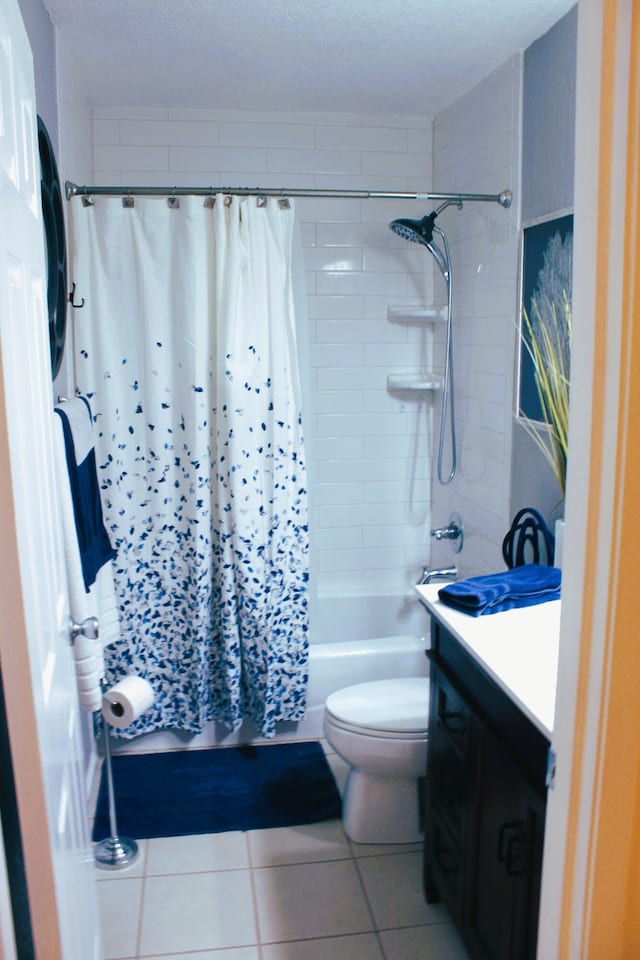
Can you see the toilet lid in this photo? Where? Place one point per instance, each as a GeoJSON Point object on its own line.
{"type": "Point", "coordinates": [400, 706]}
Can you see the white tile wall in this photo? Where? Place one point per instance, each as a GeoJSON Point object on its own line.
{"type": "Point", "coordinates": [369, 474]}
{"type": "Point", "coordinates": [476, 148]}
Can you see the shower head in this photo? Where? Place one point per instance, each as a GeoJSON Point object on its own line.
{"type": "Point", "coordinates": [418, 231]}
{"type": "Point", "coordinates": [422, 231]}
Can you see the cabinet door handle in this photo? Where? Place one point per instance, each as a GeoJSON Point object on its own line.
{"type": "Point", "coordinates": [454, 723]}
{"type": "Point", "coordinates": [516, 860]}
{"type": "Point", "coordinates": [447, 859]}
{"type": "Point", "coordinates": [504, 839]}
{"type": "Point", "coordinates": [512, 836]}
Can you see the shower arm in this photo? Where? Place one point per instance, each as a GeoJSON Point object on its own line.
{"type": "Point", "coordinates": [74, 190]}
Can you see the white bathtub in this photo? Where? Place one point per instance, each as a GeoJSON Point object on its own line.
{"type": "Point", "coordinates": [341, 664]}
{"type": "Point", "coordinates": [333, 664]}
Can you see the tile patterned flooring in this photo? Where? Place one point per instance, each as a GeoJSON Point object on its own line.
{"type": "Point", "coordinates": [295, 893]}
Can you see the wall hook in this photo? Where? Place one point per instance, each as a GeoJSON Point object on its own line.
{"type": "Point", "coordinates": [76, 306]}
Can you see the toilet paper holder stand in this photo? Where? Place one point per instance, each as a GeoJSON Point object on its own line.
{"type": "Point", "coordinates": [114, 852]}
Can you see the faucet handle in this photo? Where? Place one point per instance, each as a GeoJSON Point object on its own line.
{"type": "Point", "coordinates": [453, 531]}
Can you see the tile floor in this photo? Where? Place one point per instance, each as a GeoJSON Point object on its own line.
{"type": "Point", "coordinates": [295, 893]}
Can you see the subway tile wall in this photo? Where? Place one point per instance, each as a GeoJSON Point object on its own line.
{"type": "Point", "coordinates": [369, 449]}
{"type": "Point", "coordinates": [476, 149]}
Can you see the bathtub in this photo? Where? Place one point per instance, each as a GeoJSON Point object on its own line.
{"type": "Point", "coordinates": [343, 663]}
{"type": "Point", "coordinates": [333, 664]}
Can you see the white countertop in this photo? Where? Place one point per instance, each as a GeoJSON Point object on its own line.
{"type": "Point", "coordinates": [517, 648]}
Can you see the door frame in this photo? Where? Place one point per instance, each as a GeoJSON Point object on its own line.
{"type": "Point", "coordinates": [22, 720]}
{"type": "Point", "coordinates": [591, 878]}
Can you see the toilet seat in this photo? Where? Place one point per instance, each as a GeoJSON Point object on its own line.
{"type": "Point", "coordinates": [396, 709]}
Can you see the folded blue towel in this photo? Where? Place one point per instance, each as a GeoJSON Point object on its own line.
{"type": "Point", "coordinates": [520, 587]}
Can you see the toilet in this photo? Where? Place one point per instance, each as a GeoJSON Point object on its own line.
{"type": "Point", "coordinates": [380, 729]}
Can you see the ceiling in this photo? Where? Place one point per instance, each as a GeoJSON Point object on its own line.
{"type": "Point", "coordinates": [363, 56]}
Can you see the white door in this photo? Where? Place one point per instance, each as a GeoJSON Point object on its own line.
{"type": "Point", "coordinates": [35, 655]}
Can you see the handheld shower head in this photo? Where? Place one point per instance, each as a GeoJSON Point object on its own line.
{"type": "Point", "coordinates": [422, 231]}
{"type": "Point", "coordinates": [418, 231]}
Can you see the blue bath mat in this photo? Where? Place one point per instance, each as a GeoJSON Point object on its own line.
{"type": "Point", "coordinates": [209, 791]}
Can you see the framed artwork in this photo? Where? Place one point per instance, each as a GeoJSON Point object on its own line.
{"type": "Point", "coordinates": [547, 255]}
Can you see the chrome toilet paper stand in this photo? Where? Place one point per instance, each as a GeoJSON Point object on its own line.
{"type": "Point", "coordinates": [114, 852]}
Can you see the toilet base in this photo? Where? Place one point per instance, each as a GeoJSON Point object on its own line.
{"type": "Point", "coordinates": [378, 809]}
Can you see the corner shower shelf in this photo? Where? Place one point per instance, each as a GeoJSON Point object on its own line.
{"type": "Point", "coordinates": [421, 382]}
{"type": "Point", "coordinates": [408, 314]}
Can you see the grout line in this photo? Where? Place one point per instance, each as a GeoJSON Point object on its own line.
{"type": "Point", "coordinates": [196, 872]}
{"type": "Point", "coordinates": [140, 915]}
{"type": "Point", "coordinates": [143, 856]}
{"type": "Point", "coordinates": [383, 952]}
{"type": "Point", "coordinates": [254, 898]}
{"type": "Point", "coordinates": [365, 895]}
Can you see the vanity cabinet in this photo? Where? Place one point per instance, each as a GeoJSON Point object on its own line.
{"type": "Point", "coordinates": [484, 806]}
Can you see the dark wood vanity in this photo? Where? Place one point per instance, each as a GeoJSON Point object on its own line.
{"type": "Point", "coordinates": [485, 799]}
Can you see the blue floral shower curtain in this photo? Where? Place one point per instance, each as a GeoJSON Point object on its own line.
{"type": "Point", "coordinates": [186, 350]}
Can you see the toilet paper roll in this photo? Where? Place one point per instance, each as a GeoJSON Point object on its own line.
{"type": "Point", "coordinates": [84, 647]}
{"type": "Point", "coordinates": [126, 701]}
{"type": "Point", "coordinates": [100, 661]}
{"type": "Point", "coordinates": [91, 699]}
{"type": "Point", "coordinates": [87, 666]}
{"type": "Point", "coordinates": [89, 682]}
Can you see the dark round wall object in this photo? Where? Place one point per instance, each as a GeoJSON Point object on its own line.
{"type": "Point", "coordinates": [55, 248]}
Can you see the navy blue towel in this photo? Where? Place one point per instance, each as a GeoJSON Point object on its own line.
{"type": "Point", "coordinates": [521, 587]}
{"type": "Point", "coordinates": [93, 539]}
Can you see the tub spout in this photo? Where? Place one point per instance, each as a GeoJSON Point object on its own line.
{"type": "Point", "coordinates": [440, 573]}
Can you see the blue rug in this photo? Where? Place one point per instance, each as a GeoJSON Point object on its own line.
{"type": "Point", "coordinates": [209, 791]}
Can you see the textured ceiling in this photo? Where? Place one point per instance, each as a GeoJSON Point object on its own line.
{"type": "Point", "coordinates": [374, 56]}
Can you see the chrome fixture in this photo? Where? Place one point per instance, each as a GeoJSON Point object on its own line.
{"type": "Point", "coordinates": [422, 231]}
{"type": "Point", "coordinates": [88, 628]}
{"type": "Point", "coordinates": [453, 531]}
{"type": "Point", "coordinates": [114, 852]}
{"type": "Point", "coordinates": [87, 192]}
{"type": "Point", "coordinates": [440, 573]}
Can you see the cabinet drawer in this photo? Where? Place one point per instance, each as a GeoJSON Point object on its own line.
{"type": "Point", "coordinates": [526, 745]}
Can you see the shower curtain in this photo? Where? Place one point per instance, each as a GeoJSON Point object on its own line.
{"type": "Point", "coordinates": [186, 351]}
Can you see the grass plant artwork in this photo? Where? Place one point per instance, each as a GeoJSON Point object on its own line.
{"type": "Point", "coordinates": [548, 342]}
{"type": "Point", "coordinates": [545, 335]}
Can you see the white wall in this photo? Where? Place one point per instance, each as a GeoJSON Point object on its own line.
{"type": "Point", "coordinates": [75, 154]}
{"type": "Point", "coordinates": [476, 149]}
{"type": "Point", "coordinates": [75, 162]}
{"type": "Point", "coordinates": [369, 473]}
{"type": "Point", "coordinates": [41, 36]}
{"type": "Point", "coordinates": [548, 151]}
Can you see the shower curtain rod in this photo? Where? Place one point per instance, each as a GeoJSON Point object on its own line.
{"type": "Point", "coordinates": [74, 190]}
